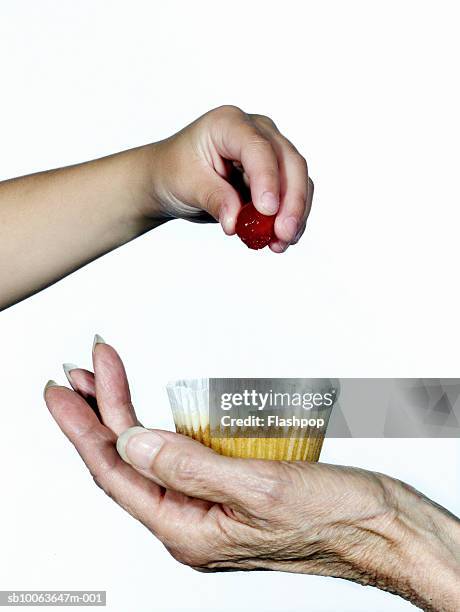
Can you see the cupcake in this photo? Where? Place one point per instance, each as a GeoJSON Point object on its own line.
{"type": "Point", "coordinates": [259, 429]}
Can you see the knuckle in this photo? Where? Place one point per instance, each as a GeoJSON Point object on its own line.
{"type": "Point", "coordinates": [270, 181]}
{"type": "Point", "coordinates": [229, 110]}
{"type": "Point", "coordinates": [103, 469]}
{"type": "Point", "coordinates": [258, 145]}
{"type": "Point", "coordinates": [272, 490]}
{"type": "Point", "coordinates": [101, 475]}
{"type": "Point", "coordinates": [301, 162]}
{"type": "Point", "coordinates": [97, 482]}
{"type": "Point", "coordinates": [276, 491]}
{"type": "Point", "coordinates": [186, 469]}
{"type": "Point", "coordinates": [299, 198]}
{"type": "Point", "coordinates": [213, 199]}
{"type": "Point", "coordinates": [265, 121]}
{"type": "Point", "coordinates": [270, 175]}
{"type": "Point", "coordinates": [256, 139]}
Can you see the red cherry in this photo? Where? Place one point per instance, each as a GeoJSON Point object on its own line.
{"type": "Point", "coordinates": [255, 229]}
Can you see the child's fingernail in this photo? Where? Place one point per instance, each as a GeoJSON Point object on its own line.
{"type": "Point", "coordinates": [279, 246]}
{"type": "Point", "coordinates": [68, 367]}
{"type": "Point", "coordinates": [269, 203]}
{"type": "Point", "coordinates": [49, 384]}
{"type": "Point", "coordinates": [138, 446]}
{"type": "Point", "coordinates": [98, 340]}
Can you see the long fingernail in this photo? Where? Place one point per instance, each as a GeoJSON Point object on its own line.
{"type": "Point", "coordinates": [98, 340]}
{"type": "Point", "coordinates": [291, 225]}
{"type": "Point", "coordinates": [68, 367]}
{"type": "Point", "coordinates": [138, 446]}
{"type": "Point", "coordinates": [269, 203]}
{"type": "Point", "coordinates": [49, 384]}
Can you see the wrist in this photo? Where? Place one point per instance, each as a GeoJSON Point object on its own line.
{"type": "Point", "coordinates": [138, 169]}
{"type": "Point", "coordinates": [132, 208]}
{"type": "Point", "coordinates": [416, 550]}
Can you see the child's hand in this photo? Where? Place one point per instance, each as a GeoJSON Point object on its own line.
{"type": "Point", "coordinates": [55, 222]}
{"type": "Point", "coordinates": [202, 173]}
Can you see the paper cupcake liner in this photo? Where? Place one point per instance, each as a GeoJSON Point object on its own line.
{"type": "Point", "coordinates": [189, 401]}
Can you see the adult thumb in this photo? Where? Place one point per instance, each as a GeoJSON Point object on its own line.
{"type": "Point", "coordinates": [179, 463]}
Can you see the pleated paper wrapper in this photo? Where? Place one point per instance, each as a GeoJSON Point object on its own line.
{"type": "Point", "coordinates": [189, 401]}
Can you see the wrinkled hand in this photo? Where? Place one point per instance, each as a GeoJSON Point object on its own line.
{"type": "Point", "coordinates": [200, 173]}
{"type": "Point", "coordinates": [214, 512]}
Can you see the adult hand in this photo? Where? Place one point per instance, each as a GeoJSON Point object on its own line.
{"type": "Point", "coordinates": [216, 513]}
{"type": "Point", "coordinates": [193, 173]}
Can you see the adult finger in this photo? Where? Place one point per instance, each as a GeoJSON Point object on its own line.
{"type": "Point", "coordinates": [112, 389]}
{"type": "Point", "coordinates": [81, 380]}
{"type": "Point", "coordinates": [96, 445]}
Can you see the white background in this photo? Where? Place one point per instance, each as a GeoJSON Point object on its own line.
{"type": "Point", "coordinates": [368, 91]}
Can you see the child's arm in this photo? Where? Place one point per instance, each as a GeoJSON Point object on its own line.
{"type": "Point", "coordinates": [54, 222]}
